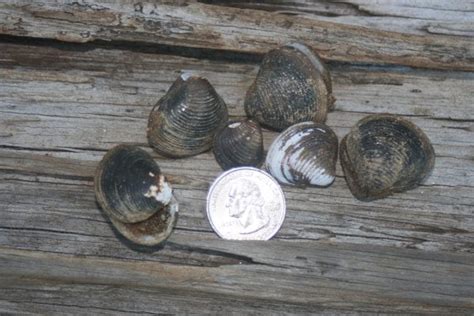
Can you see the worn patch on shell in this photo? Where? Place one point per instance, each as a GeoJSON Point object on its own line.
{"type": "Point", "coordinates": [162, 193]}
{"type": "Point", "coordinates": [186, 75]}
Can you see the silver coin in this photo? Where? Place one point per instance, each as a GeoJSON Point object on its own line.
{"type": "Point", "coordinates": [246, 204]}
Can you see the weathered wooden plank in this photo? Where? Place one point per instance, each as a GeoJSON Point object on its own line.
{"type": "Point", "coordinates": [195, 24]}
{"type": "Point", "coordinates": [34, 296]}
{"type": "Point", "coordinates": [286, 277]}
{"type": "Point", "coordinates": [411, 17]}
{"type": "Point", "coordinates": [63, 205]}
{"type": "Point", "coordinates": [99, 98]}
{"type": "Point", "coordinates": [134, 76]}
{"type": "Point", "coordinates": [61, 109]}
{"type": "Point", "coordinates": [63, 105]}
{"type": "Point", "coordinates": [422, 9]}
{"type": "Point", "coordinates": [36, 131]}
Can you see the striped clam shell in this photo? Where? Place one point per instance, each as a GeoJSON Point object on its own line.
{"type": "Point", "coordinates": [135, 195]}
{"type": "Point", "coordinates": [305, 154]}
{"type": "Point", "coordinates": [293, 85]}
{"type": "Point", "coordinates": [384, 154]}
{"type": "Point", "coordinates": [183, 122]}
{"type": "Point", "coordinates": [239, 144]}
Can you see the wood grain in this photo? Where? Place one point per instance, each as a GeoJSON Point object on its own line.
{"type": "Point", "coordinates": [195, 24]}
{"type": "Point", "coordinates": [420, 17]}
{"type": "Point", "coordinates": [58, 123]}
{"type": "Point", "coordinates": [62, 105]}
{"type": "Point", "coordinates": [309, 278]}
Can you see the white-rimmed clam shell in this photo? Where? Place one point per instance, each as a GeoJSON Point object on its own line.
{"type": "Point", "coordinates": [305, 154]}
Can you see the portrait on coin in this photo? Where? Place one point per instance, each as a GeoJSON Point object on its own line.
{"type": "Point", "coordinates": [245, 203]}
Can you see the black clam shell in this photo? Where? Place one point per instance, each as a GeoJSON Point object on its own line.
{"type": "Point", "coordinates": [293, 85]}
{"type": "Point", "coordinates": [122, 185]}
{"type": "Point", "coordinates": [183, 122]}
{"type": "Point", "coordinates": [384, 154]}
{"type": "Point", "coordinates": [238, 144]}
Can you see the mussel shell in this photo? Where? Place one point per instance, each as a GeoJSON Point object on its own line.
{"type": "Point", "coordinates": [238, 144]}
{"type": "Point", "coordinates": [132, 191]}
{"type": "Point", "coordinates": [384, 154]}
{"type": "Point", "coordinates": [183, 122]}
{"type": "Point", "coordinates": [293, 85]}
{"type": "Point", "coordinates": [304, 154]}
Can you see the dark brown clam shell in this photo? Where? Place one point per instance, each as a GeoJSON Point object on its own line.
{"type": "Point", "coordinates": [304, 154]}
{"type": "Point", "coordinates": [132, 191]}
{"type": "Point", "coordinates": [293, 85]}
{"type": "Point", "coordinates": [238, 144]}
{"type": "Point", "coordinates": [384, 154]}
{"type": "Point", "coordinates": [183, 122]}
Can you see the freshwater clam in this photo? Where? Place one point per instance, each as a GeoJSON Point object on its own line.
{"type": "Point", "coordinates": [184, 121]}
{"type": "Point", "coordinates": [239, 144]}
{"type": "Point", "coordinates": [384, 154]}
{"type": "Point", "coordinates": [135, 195]}
{"type": "Point", "coordinates": [305, 154]}
{"type": "Point", "coordinates": [293, 85]}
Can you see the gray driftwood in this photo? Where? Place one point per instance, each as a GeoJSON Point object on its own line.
{"type": "Point", "coordinates": [62, 105]}
{"type": "Point", "coordinates": [195, 24]}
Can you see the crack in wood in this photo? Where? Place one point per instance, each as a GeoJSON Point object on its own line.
{"type": "Point", "coordinates": [122, 23]}
{"type": "Point", "coordinates": [22, 148]}
{"type": "Point", "coordinates": [231, 257]}
{"type": "Point", "coordinates": [214, 258]}
{"type": "Point", "coordinates": [51, 231]}
{"type": "Point", "coordinates": [140, 47]}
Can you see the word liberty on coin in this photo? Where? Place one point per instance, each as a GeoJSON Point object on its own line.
{"type": "Point", "coordinates": [246, 204]}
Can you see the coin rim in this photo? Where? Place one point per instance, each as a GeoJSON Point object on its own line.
{"type": "Point", "coordinates": [221, 176]}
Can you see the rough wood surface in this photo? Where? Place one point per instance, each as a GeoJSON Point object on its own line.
{"type": "Point", "coordinates": [195, 24]}
{"type": "Point", "coordinates": [62, 105]}
{"type": "Point", "coordinates": [311, 278]}
{"type": "Point", "coordinates": [413, 17]}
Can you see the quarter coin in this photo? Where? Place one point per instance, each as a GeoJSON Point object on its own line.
{"type": "Point", "coordinates": [246, 204]}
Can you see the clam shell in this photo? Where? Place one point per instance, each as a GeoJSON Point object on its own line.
{"type": "Point", "coordinates": [183, 122]}
{"type": "Point", "coordinates": [152, 231]}
{"type": "Point", "coordinates": [305, 154]}
{"type": "Point", "coordinates": [384, 154]}
{"type": "Point", "coordinates": [239, 144]}
{"type": "Point", "coordinates": [293, 85]}
{"type": "Point", "coordinates": [135, 195]}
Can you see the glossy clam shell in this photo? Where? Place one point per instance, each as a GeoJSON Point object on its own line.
{"type": "Point", "coordinates": [239, 144]}
{"type": "Point", "coordinates": [384, 154]}
{"type": "Point", "coordinates": [183, 122]}
{"type": "Point", "coordinates": [293, 85]}
{"type": "Point", "coordinates": [132, 191]}
{"type": "Point", "coordinates": [304, 154]}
